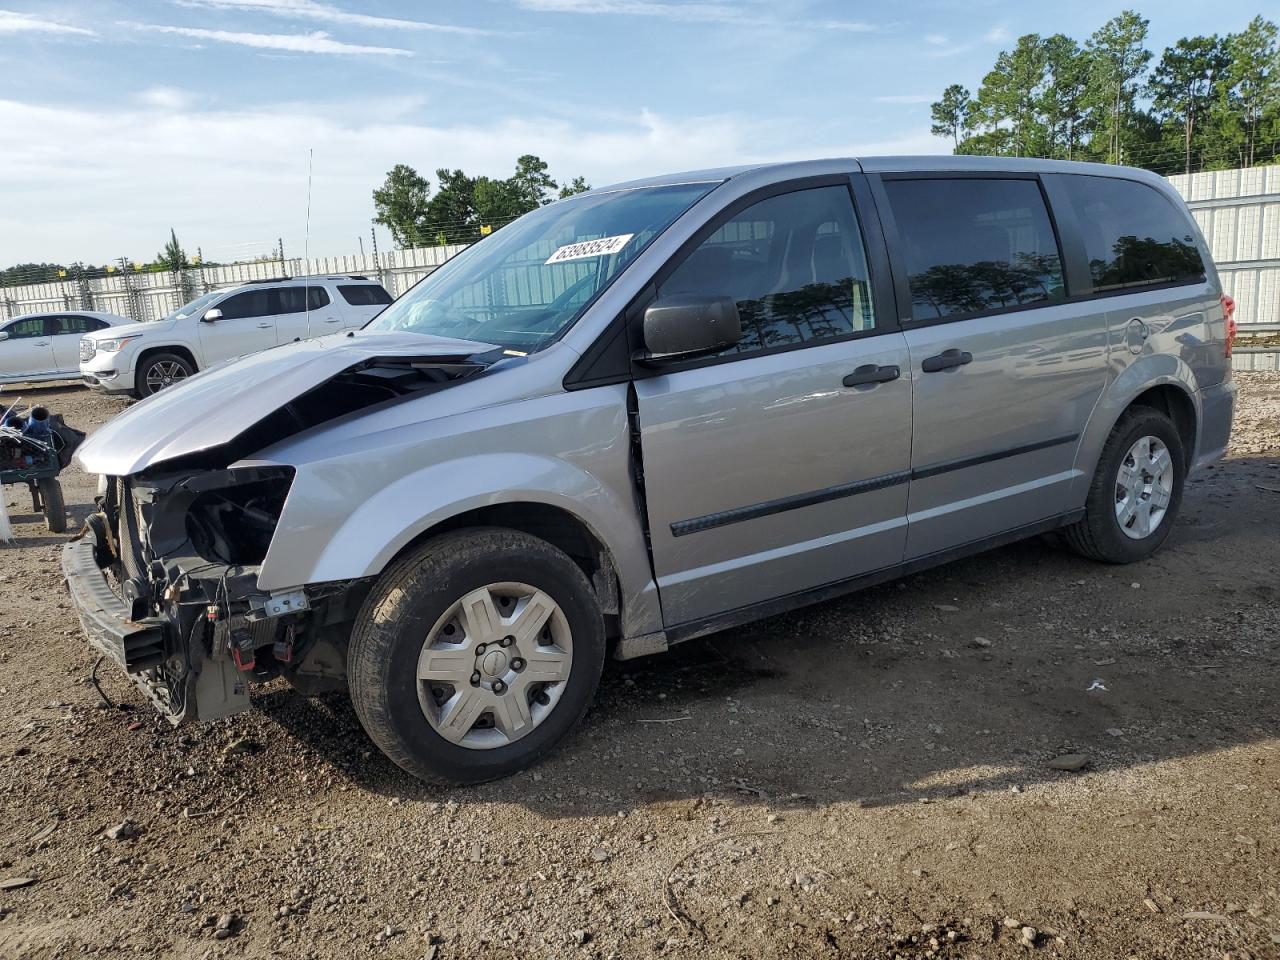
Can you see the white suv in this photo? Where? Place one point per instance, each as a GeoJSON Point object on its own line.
{"type": "Point", "coordinates": [143, 358]}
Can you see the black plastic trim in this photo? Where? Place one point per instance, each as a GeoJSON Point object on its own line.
{"type": "Point", "coordinates": [794, 502]}
{"type": "Point", "coordinates": [776, 605]}
{"type": "Point", "coordinates": [947, 466]}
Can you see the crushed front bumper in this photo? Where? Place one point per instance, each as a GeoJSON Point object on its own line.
{"type": "Point", "coordinates": [145, 648]}
{"type": "Point", "coordinates": [133, 645]}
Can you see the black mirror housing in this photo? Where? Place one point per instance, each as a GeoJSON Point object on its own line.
{"type": "Point", "coordinates": [683, 327]}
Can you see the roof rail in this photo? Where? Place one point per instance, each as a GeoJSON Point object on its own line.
{"type": "Point", "coordinates": [269, 280]}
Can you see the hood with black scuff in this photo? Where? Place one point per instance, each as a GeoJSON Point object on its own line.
{"type": "Point", "coordinates": [287, 388]}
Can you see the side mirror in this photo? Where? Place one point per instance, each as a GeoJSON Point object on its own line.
{"type": "Point", "coordinates": [4, 335]}
{"type": "Point", "coordinates": [683, 327]}
{"type": "Point", "coordinates": [211, 316]}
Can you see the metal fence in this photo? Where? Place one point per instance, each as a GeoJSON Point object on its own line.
{"type": "Point", "coordinates": [142, 296]}
{"type": "Point", "coordinates": [1239, 214]}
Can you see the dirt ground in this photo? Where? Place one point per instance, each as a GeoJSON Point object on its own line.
{"type": "Point", "coordinates": [868, 777]}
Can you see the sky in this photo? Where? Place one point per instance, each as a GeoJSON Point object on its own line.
{"type": "Point", "coordinates": [121, 119]}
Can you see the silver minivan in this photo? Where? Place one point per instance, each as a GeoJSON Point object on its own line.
{"type": "Point", "coordinates": [650, 412]}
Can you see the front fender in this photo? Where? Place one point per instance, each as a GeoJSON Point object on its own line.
{"type": "Point", "coordinates": [1152, 370]}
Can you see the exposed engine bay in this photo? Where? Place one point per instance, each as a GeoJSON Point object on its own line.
{"type": "Point", "coordinates": [165, 573]}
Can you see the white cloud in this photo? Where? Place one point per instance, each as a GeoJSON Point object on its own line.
{"type": "Point", "coordinates": [116, 196]}
{"type": "Point", "coordinates": [166, 98]}
{"type": "Point", "coordinates": [13, 22]}
{"type": "Point", "coordinates": [997, 34]}
{"type": "Point", "coordinates": [327, 13]}
{"type": "Point", "coordinates": [905, 98]}
{"type": "Point", "coordinates": [689, 12]}
{"type": "Point", "coordinates": [316, 42]}
{"type": "Point", "coordinates": [935, 39]}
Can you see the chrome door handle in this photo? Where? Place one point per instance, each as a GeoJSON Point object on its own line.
{"type": "Point", "coordinates": [946, 360]}
{"type": "Point", "coordinates": [331, 320]}
{"type": "Point", "coordinates": [265, 326]}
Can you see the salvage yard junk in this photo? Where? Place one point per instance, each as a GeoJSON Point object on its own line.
{"type": "Point", "coordinates": [35, 446]}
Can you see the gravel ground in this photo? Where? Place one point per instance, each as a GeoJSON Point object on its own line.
{"type": "Point", "coordinates": [869, 777]}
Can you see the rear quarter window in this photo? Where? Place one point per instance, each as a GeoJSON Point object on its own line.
{"type": "Point", "coordinates": [1133, 235]}
{"type": "Point", "coordinates": [364, 294]}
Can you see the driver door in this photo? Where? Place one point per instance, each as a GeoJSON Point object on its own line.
{"type": "Point", "coordinates": [28, 350]}
{"type": "Point", "coordinates": [781, 464]}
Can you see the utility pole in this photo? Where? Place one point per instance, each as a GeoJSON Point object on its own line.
{"type": "Point", "coordinates": [283, 269]}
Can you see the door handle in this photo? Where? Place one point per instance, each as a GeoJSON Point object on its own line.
{"type": "Point", "coordinates": [265, 326]}
{"type": "Point", "coordinates": [946, 360]}
{"type": "Point", "coordinates": [330, 319]}
{"type": "Point", "coordinates": [871, 374]}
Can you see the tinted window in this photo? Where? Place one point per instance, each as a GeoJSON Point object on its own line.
{"type": "Point", "coordinates": [291, 299]}
{"type": "Point", "coordinates": [1133, 235]}
{"type": "Point", "coordinates": [76, 324]}
{"type": "Point", "coordinates": [251, 303]}
{"type": "Point", "coordinates": [317, 297]}
{"type": "Point", "coordinates": [24, 329]}
{"type": "Point", "coordinates": [972, 246]}
{"type": "Point", "coordinates": [364, 295]}
{"type": "Point", "coordinates": [795, 265]}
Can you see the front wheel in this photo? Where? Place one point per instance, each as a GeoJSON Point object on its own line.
{"type": "Point", "coordinates": [475, 654]}
{"type": "Point", "coordinates": [1136, 490]}
{"type": "Point", "coordinates": [160, 370]}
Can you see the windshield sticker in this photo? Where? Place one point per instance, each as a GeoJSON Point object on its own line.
{"type": "Point", "coordinates": [605, 246]}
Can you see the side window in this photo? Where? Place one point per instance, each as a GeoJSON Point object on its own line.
{"type": "Point", "coordinates": [317, 297]}
{"type": "Point", "coordinates": [292, 300]}
{"type": "Point", "coordinates": [28, 328]}
{"type": "Point", "coordinates": [1133, 235]}
{"type": "Point", "coordinates": [365, 294]}
{"type": "Point", "coordinates": [794, 263]}
{"type": "Point", "coordinates": [76, 325]}
{"type": "Point", "coordinates": [251, 303]}
{"type": "Point", "coordinates": [974, 246]}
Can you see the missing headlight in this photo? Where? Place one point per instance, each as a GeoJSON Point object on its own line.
{"type": "Point", "coordinates": [234, 525]}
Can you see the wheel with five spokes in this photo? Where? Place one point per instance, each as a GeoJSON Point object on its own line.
{"type": "Point", "coordinates": [1136, 490]}
{"type": "Point", "coordinates": [475, 654]}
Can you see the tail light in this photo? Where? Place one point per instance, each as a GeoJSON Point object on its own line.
{"type": "Point", "coordinates": [1229, 312]}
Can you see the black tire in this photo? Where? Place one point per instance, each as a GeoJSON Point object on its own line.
{"type": "Point", "coordinates": [1098, 535]}
{"type": "Point", "coordinates": [157, 368]}
{"type": "Point", "coordinates": [55, 509]}
{"type": "Point", "coordinates": [408, 599]}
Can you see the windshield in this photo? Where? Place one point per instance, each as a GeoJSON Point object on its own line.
{"type": "Point", "coordinates": [198, 305]}
{"type": "Point", "coordinates": [522, 286]}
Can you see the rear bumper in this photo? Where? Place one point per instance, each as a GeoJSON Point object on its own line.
{"type": "Point", "coordinates": [1217, 407]}
{"type": "Point", "coordinates": [134, 646]}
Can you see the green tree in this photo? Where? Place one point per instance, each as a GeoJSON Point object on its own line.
{"type": "Point", "coordinates": [172, 256]}
{"type": "Point", "coordinates": [452, 211]}
{"type": "Point", "coordinates": [951, 114]}
{"type": "Point", "coordinates": [531, 182]}
{"type": "Point", "coordinates": [1254, 75]}
{"type": "Point", "coordinates": [1185, 83]}
{"type": "Point", "coordinates": [574, 186]}
{"type": "Point", "coordinates": [402, 205]}
{"type": "Point", "coordinates": [1063, 101]}
{"type": "Point", "coordinates": [1009, 97]}
{"type": "Point", "coordinates": [496, 202]}
{"type": "Point", "coordinates": [1118, 57]}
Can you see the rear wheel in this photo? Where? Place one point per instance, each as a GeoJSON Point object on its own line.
{"type": "Point", "coordinates": [475, 655]}
{"type": "Point", "coordinates": [1136, 490]}
{"type": "Point", "coordinates": [160, 370]}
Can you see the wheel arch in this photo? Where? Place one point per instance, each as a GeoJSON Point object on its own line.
{"type": "Point", "coordinates": [1162, 382]}
{"type": "Point", "coordinates": [176, 349]}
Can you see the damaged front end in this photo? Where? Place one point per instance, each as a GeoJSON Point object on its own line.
{"type": "Point", "coordinates": [164, 576]}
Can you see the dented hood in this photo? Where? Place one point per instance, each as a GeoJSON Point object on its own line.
{"type": "Point", "coordinates": [216, 406]}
